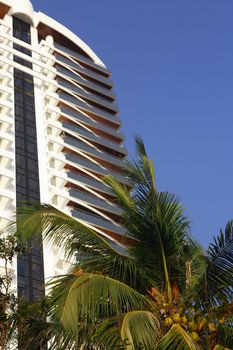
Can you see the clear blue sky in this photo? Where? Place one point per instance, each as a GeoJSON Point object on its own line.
{"type": "Point", "coordinates": [172, 66]}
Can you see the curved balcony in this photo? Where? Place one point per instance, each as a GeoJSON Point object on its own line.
{"type": "Point", "coordinates": [88, 107]}
{"type": "Point", "coordinates": [83, 93]}
{"type": "Point", "coordinates": [91, 122]}
{"type": "Point", "coordinates": [93, 151]}
{"type": "Point", "coordinates": [81, 58]}
{"type": "Point", "coordinates": [93, 137]}
{"type": "Point", "coordinates": [85, 180]}
{"type": "Point", "coordinates": [93, 167]}
{"type": "Point", "coordinates": [69, 73]}
{"type": "Point", "coordinates": [98, 222]}
{"type": "Point", "coordinates": [93, 200]}
{"type": "Point", "coordinates": [77, 67]}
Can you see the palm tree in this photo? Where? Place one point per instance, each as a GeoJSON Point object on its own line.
{"type": "Point", "coordinates": [163, 292]}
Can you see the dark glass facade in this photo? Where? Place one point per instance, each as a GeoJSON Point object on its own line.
{"type": "Point", "coordinates": [30, 265]}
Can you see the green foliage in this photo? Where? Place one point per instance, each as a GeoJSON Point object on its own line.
{"type": "Point", "coordinates": [178, 338]}
{"type": "Point", "coordinates": [225, 332]}
{"type": "Point", "coordinates": [164, 292]}
{"type": "Point", "coordinates": [9, 247]}
{"type": "Point", "coordinates": [157, 221]}
{"type": "Point", "coordinates": [106, 298]}
{"type": "Point", "coordinates": [140, 329]}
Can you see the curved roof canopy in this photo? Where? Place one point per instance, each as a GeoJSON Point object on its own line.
{"type": "Point", "coordinates": [23, 9]}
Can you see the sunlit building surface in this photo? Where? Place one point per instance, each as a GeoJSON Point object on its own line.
{"type": "Point", "coordinates": [59, 132]}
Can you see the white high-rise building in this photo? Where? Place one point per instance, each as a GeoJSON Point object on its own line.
{"type": "Point", "coordinates": [59, 131]}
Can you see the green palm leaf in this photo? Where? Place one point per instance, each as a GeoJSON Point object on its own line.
{"type": "Point", "coordinates": [106, 301]}
{"type": "Point", "coordinates": [91, 298]}
{"type": "Point", "coordinates": [92, 252]}
{"type": "Point", "coordinates": [215, 280]}
{"type": "Point", "coordinates": [34, 329]}
{"type": "Point", "coordinates": [59, 229]}
{"type": "Point", "coordinates": [157, 223]}
{"type": "Point", "coordinates": [140, 330]}
{"type": "Point", "coordinates": [118, 267]}
{"type": "Point", "coordinates": [107, 335]}
{"type": "Point", "coordinates": [177, 338]}
{"type": "Point", "coordinates": [225, 333]}
{"type": "Point", "coordinates": [220, 268]}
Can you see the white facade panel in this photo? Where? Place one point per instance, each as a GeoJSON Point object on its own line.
{"type": "Point", "coordinates": [77, 124]}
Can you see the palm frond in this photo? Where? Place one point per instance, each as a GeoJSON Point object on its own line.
{"type": "Point", "coordinates": [157, 223]}
{"type": "Point", "coordinates": [34, 329]}
{"type": "Point", "coordinates": [140, 172]}
{"type": "Point", "coordinates": [59, 229]}
{"type": "Point", "coordinates": [225, 333]}
{"type": "Point", "coordinates": [107, 335]}
{"type": "Point", "coordinates": [92, 252]}
{"type": "Point", "coordinates": [216, 279]}
{"type": "Point", "coordinates": [122, 268]}
{"type": "Point", "coordinates": [140, 147]}
{"type": "Point", "coordinates": [91, 298]}
{"type": "Point", "coordinates": [140, 330]}
{"type": "Point", "coordinates": [178, 338]}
